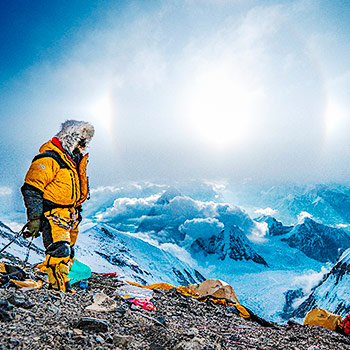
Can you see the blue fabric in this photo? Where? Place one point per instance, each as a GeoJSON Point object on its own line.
{"type": "Point", "coordinates": [79, 272]}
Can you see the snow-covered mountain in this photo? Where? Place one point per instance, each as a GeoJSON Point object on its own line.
{"type": "Point", "coordinates": [317, 241]}
{"type": "Point", "coordinates": [151, 233]}
{"type": "Point", "coordinates": [328, 204]}
{"type": "Point", "coordinates": [332, 293]}
{"type": "Point", "coordinates": [106, 249]}
{"type": "Point", "coordinates": [18, 248]}
{"type": "Point", "coordinates": [275, 227]}
{"type": "Point", "coordinates": [231, 243]}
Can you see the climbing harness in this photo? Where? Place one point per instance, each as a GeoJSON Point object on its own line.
{"type": "Point", "coordinates": [71, 224]}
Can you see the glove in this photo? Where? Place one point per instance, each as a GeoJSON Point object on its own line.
{"type": "Point", "coordinates": [33, 228]}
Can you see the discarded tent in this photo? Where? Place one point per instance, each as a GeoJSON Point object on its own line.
{"type": "Point", "coordinates": [15, 275]}
{"type": "Point", "coordinates": [212, 287]}
{"type": "Point", "coordinates": [323, 318]}
{"type": "Point", "coordinates": [215, 288]}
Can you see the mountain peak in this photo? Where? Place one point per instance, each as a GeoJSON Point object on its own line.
{"type": "Point", "coordinates": [168, 195]}
{"type": "Point", "coordinates": [320, 242]}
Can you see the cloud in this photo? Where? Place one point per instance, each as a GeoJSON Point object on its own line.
{"type": "Point", "coordinates": [103, 197]}
{"type": "Point", "coordinates": [124, 208]}
{"type": "Point", "coordinates": [258, 234]}
{"type": "Point", "coordinates": [202, 228]}
{"type": "Point", "coordinates": [266, 211]}
{"type": "Point", "coordinates": [158, 213]}
{"type": "Point", "coordinates": [309, 280]}
{"type": "Point", "coordinates": [5, 191]}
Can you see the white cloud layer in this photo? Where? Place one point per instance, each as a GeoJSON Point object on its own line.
{"type": "Point", "coordinates": [266, 211]}
{"type": "Point", "coordinates": [242, 97]}
{"type": "Point", "coordinates": [5, 191]}
{"type": "Point", "coordinates": [155, 214]}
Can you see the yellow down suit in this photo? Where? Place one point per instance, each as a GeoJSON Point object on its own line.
{"type": "Point", "coordinates": [54, 188]}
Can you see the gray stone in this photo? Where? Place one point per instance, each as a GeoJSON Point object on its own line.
{"type": "Point", "coordinates": [99, 339]}
{"type": "Point", "coordinates": [194, 344]}
{"type": "Point", "coordinates": [20, 301]}
{"type": "Point", "coordinates": [92, 324]}
{"type": "Point", "coordinates": [122, 340]}
{"type": "Point", "coordinates": [6, 315]}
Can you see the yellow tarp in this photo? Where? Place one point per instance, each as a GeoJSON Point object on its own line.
{"type": "Point", "coordinates": [323, 318]}
{"type": "Point", "coordinates": [2, 268]}
{"type": "Point", "coordinates": [189, 292]}
{"type": "Point", "coordinates": [162, 285]}
{"type": "Point", "coordinates": [28, 283]}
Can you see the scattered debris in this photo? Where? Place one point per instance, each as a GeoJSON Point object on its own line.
{"type": "Point", "coordinates": [63, 321]}
{"type": "Point", "coordinates": [102, 303]}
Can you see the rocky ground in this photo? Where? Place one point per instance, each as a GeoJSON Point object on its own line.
{"type": "Point", "coordinates": [51, 320]}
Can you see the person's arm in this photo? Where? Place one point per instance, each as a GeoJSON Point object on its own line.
{"type": "Point", "coordinates": [41, 172]}
{"type": "Point", "coordinates": [33, 201]}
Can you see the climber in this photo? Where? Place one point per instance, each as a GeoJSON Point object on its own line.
{"type": "Point", "coordinates": [54, 188]}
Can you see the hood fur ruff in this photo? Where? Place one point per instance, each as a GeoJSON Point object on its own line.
{"type": "Point", "coordinates": [72, 131]}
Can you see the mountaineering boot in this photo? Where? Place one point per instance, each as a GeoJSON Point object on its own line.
{"type": "Point", "coordinates": [69, 288]}
{"type": "Point", "coordinates": [58, 277]}
{"type": "Point", "coordinates": [53, 284]}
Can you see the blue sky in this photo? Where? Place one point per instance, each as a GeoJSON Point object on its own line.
{"type": "Point", "coordinates": [180, 90]}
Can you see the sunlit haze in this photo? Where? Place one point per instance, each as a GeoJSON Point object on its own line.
{"type": "Point", "coordinates": [211, 89]}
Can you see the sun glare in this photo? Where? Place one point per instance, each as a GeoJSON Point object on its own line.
{"type": "Point", "coordinates": [221, 109]}
{"type": "Point", "coordinates": [335, 116]}
{"type": "Point", "coordinates": [102, 112]}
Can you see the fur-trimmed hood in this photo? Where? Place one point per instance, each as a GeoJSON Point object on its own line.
{"type": "Point", "coordinates": [74, 131]}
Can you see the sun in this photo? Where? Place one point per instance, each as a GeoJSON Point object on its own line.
{"type": "Point", "coordinates": [102, 110]}
{"type": "Point", "coordinates": [221, 108]}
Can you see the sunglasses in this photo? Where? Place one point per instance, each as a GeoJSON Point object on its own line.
{"type": "Point", "coordinates": [82, 143]}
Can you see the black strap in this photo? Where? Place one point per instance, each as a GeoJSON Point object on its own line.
{"type": "Point", "coordinates": [54, 155]}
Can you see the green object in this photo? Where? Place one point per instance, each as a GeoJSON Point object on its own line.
{"type": "Point", "coordinates": [79, 272]}
{"type": "Point", "coordinates": [33, 228]}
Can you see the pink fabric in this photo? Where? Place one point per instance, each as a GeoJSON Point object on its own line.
{"type": "Point", "coordinates": [143, 302]}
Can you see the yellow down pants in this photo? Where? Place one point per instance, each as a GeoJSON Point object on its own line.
{"type": "Point", "coordinates": [60, 232]}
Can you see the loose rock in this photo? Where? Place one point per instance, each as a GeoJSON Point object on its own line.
{"type": "Point", "coordinates": [92, 324]}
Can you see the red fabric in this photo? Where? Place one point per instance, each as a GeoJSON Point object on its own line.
{"type": "Point", "coordinates": [346, 325]}
{"type": "Point", "coordinates": [57, 143]}
{"type": "Point", "coordinates": [143, 302]}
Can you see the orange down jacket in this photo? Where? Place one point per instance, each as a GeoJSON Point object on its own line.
{"type": "Point", "coordinates": [57, 176]}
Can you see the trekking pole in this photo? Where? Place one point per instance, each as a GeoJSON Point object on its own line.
{"type": "Point", "coordinates": [17, 235]}
{"type": "Point", "coordinates": [28, 251]}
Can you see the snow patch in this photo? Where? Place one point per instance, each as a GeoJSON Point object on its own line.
{"type": "Point", "coordinates": [302, 216]}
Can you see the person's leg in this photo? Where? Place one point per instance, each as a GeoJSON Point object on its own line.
{"type": "Point", "coordinates": [56, 237]}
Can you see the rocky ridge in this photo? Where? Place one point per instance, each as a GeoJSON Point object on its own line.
{"type": "Point", "coordinates": [51, 320]}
